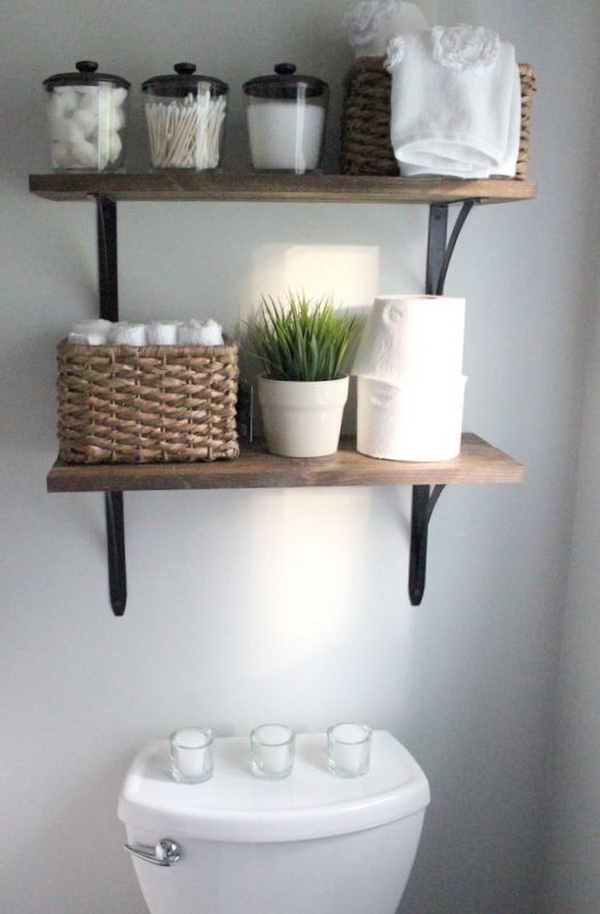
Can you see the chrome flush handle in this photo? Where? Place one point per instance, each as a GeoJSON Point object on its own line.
{"type": "Point", "coordinates": [164, 853]}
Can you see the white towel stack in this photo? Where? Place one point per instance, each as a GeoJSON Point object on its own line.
{"type": "Point", "coordinates": [410, 381]}
{"type": "Point", "coordinates": [455, 103]}
{"type": "Point", "coordinates": [154, 333]}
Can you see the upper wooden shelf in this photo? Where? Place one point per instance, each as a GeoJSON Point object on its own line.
{"type": "Point", "coordinates": [282, 188]}
{"type": "Point", "coordinates": [478, 462]}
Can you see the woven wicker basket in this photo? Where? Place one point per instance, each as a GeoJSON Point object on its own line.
{"type": "Point", "coordinates": [366, 148]}
{"type": "Point", "coordinates": [147, 404]}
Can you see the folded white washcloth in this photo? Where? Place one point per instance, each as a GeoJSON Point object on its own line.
{"type": "Point", "coordinates": [455, 105]}
{"type": "Point", "coordinates": [162, 333]}
{"type": "Point", "coordinates": [197, 333]}
{"type": "Point", "coordinates": [409, 337]}
{"type": "Point", "coordinates": [92, 332]}
{"type": "Point", "coordinates": [124, 334]}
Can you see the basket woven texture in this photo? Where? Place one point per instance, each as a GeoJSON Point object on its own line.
{"type": "Point", "coordinates": [366, 148]}
{"type": "Point", "coordinates": [147, 404]}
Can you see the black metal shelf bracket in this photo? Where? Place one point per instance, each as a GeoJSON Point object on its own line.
{"type": "Point", "coordinates": [108, 277]}
{"type": "Point", "coordinates": [115, 541]}
{"type": "Point", "coordinates": [424, 501]}
{"type": "Point", "coordinates": [108, 284]}
{"type": "Point", "coordinates": [440, 250]}
{"type": "Point", "coordinates": [439, 253]}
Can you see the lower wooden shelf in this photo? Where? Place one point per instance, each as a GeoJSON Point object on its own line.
{"type": "Point", "coordinates": [478, 462]}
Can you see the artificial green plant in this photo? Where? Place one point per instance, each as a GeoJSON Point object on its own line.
{"type": "Point", "coordinates": [302, 339]}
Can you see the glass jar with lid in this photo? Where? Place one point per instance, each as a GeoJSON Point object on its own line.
{"type": "Point", "coordinates": [87, 119]}
{"type": "Point", "coordinates": [286, 115]}
{"type": "Point", "coordinates": [185, 114]}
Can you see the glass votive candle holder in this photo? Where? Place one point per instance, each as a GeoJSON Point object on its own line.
{"type": "Point", "coordinates": [349, 749]}
{"type": "Point", "coordinates": [192, 754]}
{"type": "Point", "coordinates": [273, 748]}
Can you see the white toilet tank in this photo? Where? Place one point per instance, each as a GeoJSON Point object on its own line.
{"type": "Point", "coordinates": [311, 843]}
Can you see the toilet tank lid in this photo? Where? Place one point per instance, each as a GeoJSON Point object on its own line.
{"type": "Point", "coordinates": [236, 806]}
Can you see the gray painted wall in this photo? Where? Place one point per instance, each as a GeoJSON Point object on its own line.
{"type": "Point", "coordinates": [224, 624]}
{"type": "Point", "coordinates": [573, 875]}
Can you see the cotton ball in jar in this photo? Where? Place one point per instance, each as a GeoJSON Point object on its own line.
{"type": "Point", "coordinates": [58, 106]}
{"type": "Point", "coordinates": [65, 99]}
{"type": "Point", "coordinates": [64, 130]}
{"type": "Point", "coordinates": [61, 155]}
{"type": "Point", "coordinates": [119, 96]}
{"type": "Point", "coordinates": [85, 152]}
{"type": "Point", "coordinates": [115, 147]}
{"type": "Point", "coordinates": [117, 118]}
{"type": "Point", "coordinates": [86, 121]}
{"type": "Point", "coordinates": [110, 146]}
{"type": "Point", "coordinates": [87, 98]}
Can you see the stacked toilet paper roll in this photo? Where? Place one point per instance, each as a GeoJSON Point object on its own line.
{"type": "Point", "coordinates": [410, 389]}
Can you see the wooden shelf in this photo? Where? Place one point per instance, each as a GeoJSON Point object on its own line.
{"type": "Point", "coordinates": [478, 462]}
{"type": "Point", "coordinates": [283, 188]}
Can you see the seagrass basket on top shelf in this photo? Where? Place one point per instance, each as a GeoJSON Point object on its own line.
{"type": "Point", "coordinates": [365, 143]}
{"type": "Point", "coordinates": [147, 404]}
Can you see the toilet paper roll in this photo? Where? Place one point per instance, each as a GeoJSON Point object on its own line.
{"type": "Point", "coordinates": [415, 421]}
{"type": "Point", "coordinates": [412, 336]}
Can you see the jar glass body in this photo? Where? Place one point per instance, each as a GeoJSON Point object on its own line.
{"type": "Point", "coordinates": [87, 122]}
{"type": "Point", "coordinates": [286, 115]}
{"type": "Point", "coordinates": [186, 123]}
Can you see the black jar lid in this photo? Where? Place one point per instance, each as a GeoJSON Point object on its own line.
{"type": "Point", "coordinates": [183, 80]}
{"type": "Point", "coordinates": [285, 83]}
{"type": "Point", "coordinates": [86, 75]}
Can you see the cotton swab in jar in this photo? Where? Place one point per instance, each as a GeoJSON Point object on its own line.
{"type": "Point", "coordinates": [186, 134]}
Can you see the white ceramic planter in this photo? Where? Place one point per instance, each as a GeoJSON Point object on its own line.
{"type": "Point", "coordinates": [302, 418]}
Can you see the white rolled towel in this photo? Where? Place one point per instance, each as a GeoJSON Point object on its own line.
{"type": "Point", "coordinates": [213, 333]}
{"type": "Point", "coordinates": [91, 333]}
{"type": "Point", "coordinates": [196, 332]}
{"type": "Point", "coordinates": [87, 339]}
{"type": "Point", "coordinates": [162, 333]}
{"type": "Point", "coordinates": [412, 336]}
{"type": "Point", "coordinates": [125, 334]}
